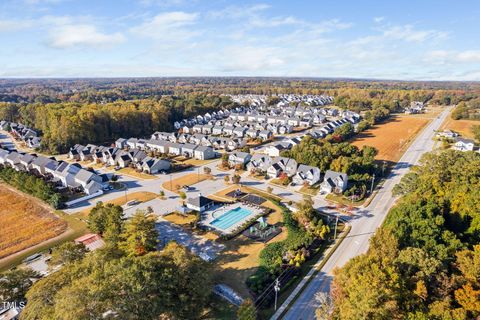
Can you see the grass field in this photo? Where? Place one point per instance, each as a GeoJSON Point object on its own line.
{"type": "Point", "coordinates": [25, 223]}
{"type": "Point", "coordinates": [186, 180]}
{"type": "Point", "coordinates": [463, 127]}
{"type": "Point", "coordinates": [179, 219]}
{"type": "Point", "coordinates": [392, 137]}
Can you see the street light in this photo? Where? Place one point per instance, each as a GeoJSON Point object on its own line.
{"type": "Point", "coordinates": [277, 289]}
{"type": "Point", "coordinates": [373, 181]}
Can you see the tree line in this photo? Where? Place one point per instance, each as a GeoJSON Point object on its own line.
{"type": "Point", "coordinates": [65, 124]}
{"type": "Point", "coordinates": [423, 263]}
{"type": "Point", "coordinates": [32, 185]}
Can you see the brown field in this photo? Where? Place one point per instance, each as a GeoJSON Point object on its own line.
{"type": "Point", "coordinates": [188, 180]}
{"type": "Point", "coordinates": [25, 223]}
{"type": "Point", "coordinates": [134, 173]}
{"type": "Point", "coordinates": [391, 138]}
{"type": "Point", "coordinates": [463, 127]}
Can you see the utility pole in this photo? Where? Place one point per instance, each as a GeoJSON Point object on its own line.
{"type": "Point", "coordinates": [336, 223]}
{"type": "Point", "coordinates": [373, 181]}
{"type": "Point", "coordinates": [277, 289]}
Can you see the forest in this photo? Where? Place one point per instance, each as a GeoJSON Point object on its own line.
{"type": "Point", "coordinates": [469, 110]}
{"type": "Point", "coordinates": [424, 262]}
{"type": "Point", "coordinates": [64, 124]}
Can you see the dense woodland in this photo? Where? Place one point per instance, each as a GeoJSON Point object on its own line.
{"type": "Point", "coordinates": [109, 90]}
{"type": "Point", "coordinates": [64, 124]}
{"type": "Point", "coordinates": [424, 263]}
{"type": "Point", "coordinates": [467, 110]}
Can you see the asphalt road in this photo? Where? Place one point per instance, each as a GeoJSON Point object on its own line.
{"type": "Point", "coordinates": [364, 225]}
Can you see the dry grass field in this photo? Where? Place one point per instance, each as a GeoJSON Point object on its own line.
{"type": "Point", "coordinates": [391, 138]}
{"type": "Point", "coordinates": [186, 180]}
{"type": "Point", "coordinates": [463, 127]}
{"type": "Point", "coordinates": [25, 223]}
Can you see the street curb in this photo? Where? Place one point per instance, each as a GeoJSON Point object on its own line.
{"type": "Point", "coordinates": [308, 278]}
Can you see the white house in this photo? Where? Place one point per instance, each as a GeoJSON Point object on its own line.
{"type": "Point", "coordinates": [334, 182]}
{"type": "Point", "coordinates": [239, 158]}
{"type": "Point", "coordinates": [306, 174]}
{"type": "Point", "coordinates": [464, 144]}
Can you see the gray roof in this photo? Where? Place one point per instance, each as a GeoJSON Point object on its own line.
{"type": "Point", "coordinates": [84, 175]}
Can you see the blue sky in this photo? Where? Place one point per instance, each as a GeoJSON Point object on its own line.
{"type": "Point", "coordinates": [409, 39]}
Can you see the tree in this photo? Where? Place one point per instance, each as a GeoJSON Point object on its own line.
{"type": "Point", "coordinates": [67, 252]}
{"type": "Point", "coordinates": [106, 220]}
{"type": "Point", "coordinates": [171, 284]}
{"type": "Point", "coordinates": [269, 189]}
{"type": "Point", "coordinates": [236, 179]}
{"type": "Point", "coordinates": [140, 235]}
{"type": "Point", "coordinates": [162, 193]}
{"type": "Point", "coordinates": [182, 196]}
{"type": "Point", "coordinates": [207, 170]}
{"type": "Point", "coordinates": [476, 132]}
{"type": "Point", "coordinates": [247, 311]}
{"type": "Point", "coordinates": [14, 284]}
{"type": "Point", "coordinates": [226, 179]}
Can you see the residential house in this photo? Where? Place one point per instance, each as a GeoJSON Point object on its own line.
{"type": "Point", "coordinates": [188, 150]}
{"type": "Point", "coordinates": [306, 174]}
{"type": "Point", "coordinates": [89, 181]}
{"type": "Point", "coordinates": [462, 144]}
{"type": "Point", "coordinates": [239, 158]}
{"type": "Point", "coordinates": [259, 162]}
{"type": "Point", "coordinates": [175, 149]}
{"type": "Point", "coordinates": [282, 164]}
{"type": "Point", "coordinates": [154, 166]}
{"type": "Point", "coordinates": [132, 143]}
{"type": "Point", "coordinates": [203, 153]}
{"type": "Point", "coordinates": [121, 143]}
{"type": "Point", "coordinates": [265, 135]}
{"type": "Point", "coordinates": [334, 182]}
{"type": "Point", "coordinates": [239, 132]}
{"type": "Point", "coordinates": [252, 133]}
{"type": "Point", "coordinates": [217, 130]}
{"type": "Point", "coordinates": [276, 149]}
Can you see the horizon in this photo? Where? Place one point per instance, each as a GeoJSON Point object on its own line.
{"type": "Point", "coordinates": [372, 40]}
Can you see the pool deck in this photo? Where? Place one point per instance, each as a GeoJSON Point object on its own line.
{"type": "Point", "coordinates": [218, 212]}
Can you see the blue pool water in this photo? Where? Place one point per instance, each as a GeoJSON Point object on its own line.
{"type": "Point", "coordinates": [230, 218]}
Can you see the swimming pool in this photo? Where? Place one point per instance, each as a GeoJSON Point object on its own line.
{"type": "Point", "coordinates": [230, 218]}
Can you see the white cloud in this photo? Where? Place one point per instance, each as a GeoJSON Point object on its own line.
{"type": "Point", "coordinates": [378, 19]}
{"type": "Point", "coordinates": [249, 58]}
{"type": "Point", "coordinates": [452, 57]}
{"type": "Point", "coordinates": [82, 35]}
{"type": "Point", "coordinates": [168, 26]}
{"type": "Point", "coordinates": [409, 34]}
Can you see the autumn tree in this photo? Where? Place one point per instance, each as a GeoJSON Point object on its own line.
{"type": "Point", "coordinates": [140, 235]}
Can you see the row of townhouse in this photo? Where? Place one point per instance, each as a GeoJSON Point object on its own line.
{"type": "Point", "coordinates": [273, 167]}
{"type": "Point", "coordinates": [118, 157]}
{"type": "Point", "coordinates": [68, 175]}
{"type": "Point", "coordinates": [238, 130]}
{"type": "Point", "coordinates": [180, 143]}
{"type": "Point", "coordinates": [294, 121]}
{"type": "Point", "coordinates": [202, 119]}
{"type": "Point", "coordinates": [189, 150]}
{"type": "Point", "coordinates": [330, 127]}
{"type": "Point", "coordinates": [22, 132]}
{"type": "Point", "coordinates": [284, 99]}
